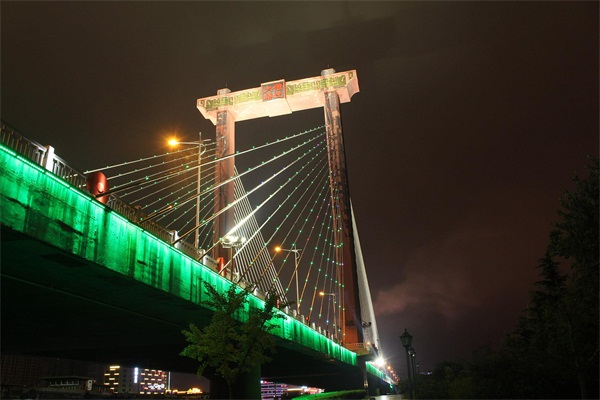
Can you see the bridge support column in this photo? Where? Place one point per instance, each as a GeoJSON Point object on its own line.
{"type": "Point", "coordinates": [363, 368]}
{"type": "Point", "coordinates": [347, 381]}
{"type": "Point", "coordinates": [225, 169]}
{"type": "Point", "coordinates": [350, 317]}
{"type": "Point", "coordinates": [246, 387]}
{"type": "Point", "coordinates": [378, 387]}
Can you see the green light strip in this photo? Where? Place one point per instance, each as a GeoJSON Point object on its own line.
{"type": "Point", "coordinates": [373, 370]}
{"type": "Point", "coordinates": [35, 202]}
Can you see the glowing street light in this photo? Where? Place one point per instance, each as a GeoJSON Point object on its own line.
{"type": "Point", "coordinates": [201, 150]}
{"type": "Point", "coordinates": [326, 294]}
{"type": "Point", "coordinates": [334, 310]}
{"type": "Point", "coordinates": [297, 254]}
{"type": "Point", "coordinates": [232, 242]}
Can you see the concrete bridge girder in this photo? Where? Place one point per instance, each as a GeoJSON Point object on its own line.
{"type": "Point", "coordinates": [70, 289]}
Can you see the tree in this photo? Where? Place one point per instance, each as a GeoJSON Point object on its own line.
{"type": "Point", "coordinates": [556, 341]}
{"type": "Point", "coordinates": [226, 345]}
{"type": "Point", "coordinates": [575, 237]}
{"type": "Point", "coordinates": [576, 240]}
{"type": "Point", "coordinates": [537, 350]}
{"type": "Point", "coordinates": [553, 352]}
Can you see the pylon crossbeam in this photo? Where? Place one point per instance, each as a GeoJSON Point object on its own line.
{"type": "Point", "coordinates": [279, 97]}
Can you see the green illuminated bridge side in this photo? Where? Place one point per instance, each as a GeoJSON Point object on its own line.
{"type": "Point", "coordinates": [37, 203]}
{"type": "Point", "coordinates": [81, 281]}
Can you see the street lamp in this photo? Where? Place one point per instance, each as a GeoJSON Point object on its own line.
{"type": "Point", "coordinates": [232, 242]}
{"type": "Point", "coordinates": [334, 311]}
{"type": "Point", "coordinates": [297, 254]}
{"type": "Point", "coordinates": [406, 339]}
{"type": "Point", "coordinates": [413, 355]}
{"type": "Point", "coordinates": [201, 150]}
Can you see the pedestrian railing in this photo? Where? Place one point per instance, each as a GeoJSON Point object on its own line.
{"type": "Point", "coordinates": [44, 156]}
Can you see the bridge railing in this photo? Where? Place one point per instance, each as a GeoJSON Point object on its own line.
{"type": "Point", "coordinates": [360, 348]}
{"type": "Point", "coordinates": [42, 155]}
{"type": "Point", "coordinates": [60, 168]}
{"type": "Point", "coordinates": [45, 156]}
{"type": "Point", "coordinates": [135, 214]}
{"type": "Point", "coordinates": [26, 147]}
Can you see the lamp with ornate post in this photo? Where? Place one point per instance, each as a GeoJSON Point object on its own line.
{"type": "Point", "coordinates": [201, 150]}
{"type": "Point", "coordinates": [233, 243]}
{"type": "Point", "coordinates": [334, 312]}
{"type": "Point", "coordinates": [406, 339]}
{"type": "Point", "coordinates": [297, 255]}
{"type": "Point", "coordinates": [413, 362]}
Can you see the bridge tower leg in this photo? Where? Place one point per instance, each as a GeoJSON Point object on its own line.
{"type": "Point", "coordinates": [280, 98]}
{"type": "Point", "coordinates": [350, 318]}
{"type": "Point", "coordinates": [225, 169]}
{"type": "Point", "coordinates": [247, 385]}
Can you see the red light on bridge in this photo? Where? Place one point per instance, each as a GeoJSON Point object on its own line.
{"type": "Point", "coordinates": [96, 183]}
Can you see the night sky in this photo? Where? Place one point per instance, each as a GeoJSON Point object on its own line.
{"type": "Point", "coordinates": [472, 118]}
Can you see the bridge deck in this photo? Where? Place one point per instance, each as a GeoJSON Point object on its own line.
{"type": "Point", "coordinates": [82, 282]}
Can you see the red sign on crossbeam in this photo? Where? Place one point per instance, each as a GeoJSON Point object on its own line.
{"type": "Point", "coordinates": [273, 90]}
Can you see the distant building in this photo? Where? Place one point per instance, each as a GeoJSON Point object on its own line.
{"type": "Point", "coordinates": [57, 387]}
{"type": "Point", "coordinates": [26, 370]}
{"type": "Point", "coordinates": [71, 385]}
{"type": "Point", "coordinates": [272, 390]}
{"type": "Point", "coordinates": [23, 371]}
{"type": "Point", "coordinates": [277, 391]}
{"type": "Point", "coordinates": [136, 380]}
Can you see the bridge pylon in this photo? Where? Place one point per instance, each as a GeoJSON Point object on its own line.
{"type": "Point", "coordinates": [279, 98]}
{"type": "Point", "coordinates": [351, 323]}
{"type": "Point", "coordinates": [225, 170]}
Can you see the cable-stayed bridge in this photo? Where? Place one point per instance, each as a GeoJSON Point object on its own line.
{"type": "Point", "coordinates": [279, 219]}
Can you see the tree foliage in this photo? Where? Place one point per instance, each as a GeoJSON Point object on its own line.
{"type": "Point", "coordinates": [227, 346]}
{"type": "Point", "coordinates": [556, 341]}
{"type": "Point", "coordinates": [553, 352]}
{"type": "Point", "coordinates": [575, 239]}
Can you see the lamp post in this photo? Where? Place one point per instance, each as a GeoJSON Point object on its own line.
{"type": "Point", "coordinates": [297, 253]}
{"type": "Point", "coordinates": [406, 339]}
{"type": "Point", "coordinates": [201, 150]}
{"type": "Point", "coordinates": [334, 312]}
{"type": "Point", "coordinates": [232, 242]}
{"type": "Point", "coordinates": [413, 360]}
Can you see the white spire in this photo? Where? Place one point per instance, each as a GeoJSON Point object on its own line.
{"type": "Point", "coordinates": [364, 294]}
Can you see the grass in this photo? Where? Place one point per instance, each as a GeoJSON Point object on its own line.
{"type": "Point", "coordinates": [344, 394]}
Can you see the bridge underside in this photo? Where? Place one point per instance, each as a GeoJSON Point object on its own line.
{"type": "Point", "coordinates": [60, 305]}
